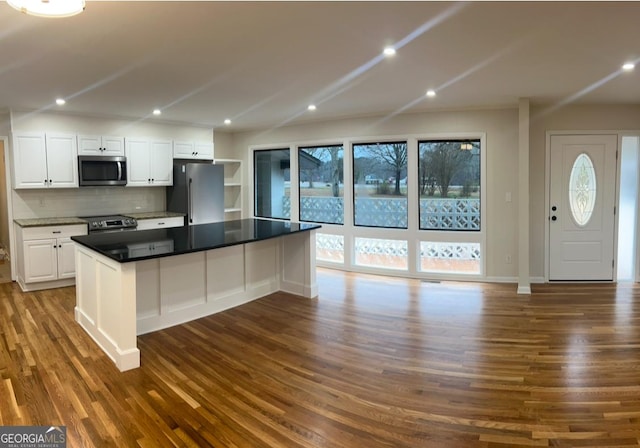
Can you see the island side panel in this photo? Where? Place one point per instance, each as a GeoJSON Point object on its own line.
{"type": "Point", "coordinates": [298, 264]}
{"type": "Point", "coordinates": [262, 275]}
{"type": "Point", "coordinates": [226, 277]}
{"type": "Point", "coordinates": [106, 305]}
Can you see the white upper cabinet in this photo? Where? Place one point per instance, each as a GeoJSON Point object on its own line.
{"type": "Point", "coordinates": [96, 145]}
{"type": "Point", "coordinates": [192, 150]}
{"type": "Point", "coordinates": [149, 162]}
{"type": "Point", "coordinates": [45, 160]}
{"type": "Point", "coordinates": [161, 162]}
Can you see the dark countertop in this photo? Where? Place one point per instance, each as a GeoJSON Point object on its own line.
{"type": "Point", "coordinates": [140, 245]}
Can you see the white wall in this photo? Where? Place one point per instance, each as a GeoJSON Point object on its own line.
{"type": "Point", "coordinates": [500, 126]}
{"type": "Point", "coordinates": [5, 131]}
{"type": "Point", "coordinates": [78, 124]}
{"type": "Point", "coordinates": [223, 145]}
{"type": "Point", "coordinates": [569, 118]}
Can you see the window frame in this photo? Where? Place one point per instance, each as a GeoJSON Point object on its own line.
{"type": "Point", "coordinates": [481, 185]}
{"type": "Point", "coordinates": [300, 148]}
{"type": "Point", "coordinates": [414, 236]}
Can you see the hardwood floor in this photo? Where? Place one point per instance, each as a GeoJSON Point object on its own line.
{"type": "Point", "coordinates": [374, 362]}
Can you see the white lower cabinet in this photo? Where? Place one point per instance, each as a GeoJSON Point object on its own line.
{"type": "Point", "coordinates": [46, 256]}
{"type": "Point", "coordinates": [148, 249]}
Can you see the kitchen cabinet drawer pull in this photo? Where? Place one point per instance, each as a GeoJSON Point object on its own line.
{"type": "Point", "coordinates": [160, 223]}
{"type": "Point", "coordinates": [57, 231]}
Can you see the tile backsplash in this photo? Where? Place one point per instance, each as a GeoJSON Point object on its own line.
{"type": "Point", "coordinates": [86, 201]}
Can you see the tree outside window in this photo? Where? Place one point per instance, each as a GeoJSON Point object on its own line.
{"type": "Point", "coordinates": [449, 184]}
{"type": "Point", "coordinates": [321, 176]}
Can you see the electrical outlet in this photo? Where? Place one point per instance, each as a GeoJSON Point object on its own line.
{"type": "Point", "coordinates": [507, 259]}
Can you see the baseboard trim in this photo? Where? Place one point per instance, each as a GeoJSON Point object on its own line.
{"type": "Point", "coordinates": [524, 290]}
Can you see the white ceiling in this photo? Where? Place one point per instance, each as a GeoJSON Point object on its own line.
{"type": "Point", "coordinates": [262, 63]}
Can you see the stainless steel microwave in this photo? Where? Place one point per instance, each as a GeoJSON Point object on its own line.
{"type": "Point", "coordinates": [102, 171]}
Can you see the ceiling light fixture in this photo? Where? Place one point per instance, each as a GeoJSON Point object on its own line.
{"type": "Point", "coordinates": [389, 51]}
{"type": "Point", "coordinates": [227, 121]}
{"type": "Point", "coordinates": [312, 107]}
{"type": "Point", "coordinates": [61, 102]}
{"type": "Point", "coordinates": [628, 66]}
{"type": "Point", "coordinates": [48, 8]}
{"type": "Point", "coordinates": [157, 111]}
{"type": "Point", "coordinates": [431, 93]}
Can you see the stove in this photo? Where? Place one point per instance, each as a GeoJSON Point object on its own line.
{"type": "Point", "coordinates": [111, 223]}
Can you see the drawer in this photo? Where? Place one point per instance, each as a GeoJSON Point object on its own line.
{"type": "Point", "coordinates": [160, 223]}
{"type": "Point", "coordinates": [45, 232]}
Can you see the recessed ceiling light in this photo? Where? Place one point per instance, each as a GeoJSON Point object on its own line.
{"type": "Point", "coordinates": [431, 93]}
{"type": "Point", "coordinates": [157, 111]}
{"type": "Point", "coordinates": [312, 107]}
{"type": "Point", "coordinates": [628, 66]}
{"type": "Point", "coordinates": [60, 102]}
{"type": "Point", "coordinates": [389, 51]}
{"type": "Point", "coordinates": [227, 121]}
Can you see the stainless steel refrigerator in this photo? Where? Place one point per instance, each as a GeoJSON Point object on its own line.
{"type": "Point", "coordinates": [197, 191]}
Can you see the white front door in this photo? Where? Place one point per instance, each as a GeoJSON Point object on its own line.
{"type": "Point", "coordinates": [581, 211]}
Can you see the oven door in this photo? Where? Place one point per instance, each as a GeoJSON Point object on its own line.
{"type": "Point", "coordinates": [102, 171]}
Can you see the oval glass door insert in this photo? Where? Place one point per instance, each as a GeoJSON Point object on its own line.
{"type": "Point", "coordinates": [582, 189]}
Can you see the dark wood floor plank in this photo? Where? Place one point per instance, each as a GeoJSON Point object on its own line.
{"type": "Point", "coordinates": [373, 362]}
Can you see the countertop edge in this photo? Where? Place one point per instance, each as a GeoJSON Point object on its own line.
{"type": "Point", "coordinates": [79, 239]}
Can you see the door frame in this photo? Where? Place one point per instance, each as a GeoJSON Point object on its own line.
{"type": "Point", "coordinates": [547, 205]}
{"type": "Point", "coordinates": [8, 163]}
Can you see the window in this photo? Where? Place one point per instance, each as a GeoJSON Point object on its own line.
{"type": "Point", "coordinates": [582, 189]}
{"type": "Point", "coordinates": [380, 184]}
{"type": "Point", "coordinates": [381, 253]}
{"type": "Point", "coordinates": [330, 248]}
{"type": "Point", "coordinates": [272, 183]}
{"type": "Point", "coordinates": [449, 184]}
{"type": "Point", "coordinates": [450, 257]}
{"type": "Point", "coordinates": [320, 172]}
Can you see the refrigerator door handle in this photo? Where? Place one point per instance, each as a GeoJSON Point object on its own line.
{"type": "Point", "coordinates": [190, 211]}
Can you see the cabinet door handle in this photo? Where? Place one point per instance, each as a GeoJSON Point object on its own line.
{"type": "Point", "coordinates": [57, 231]}
{"type": "Point", "coordinates": [160, 223]}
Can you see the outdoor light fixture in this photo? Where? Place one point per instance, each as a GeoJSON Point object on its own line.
{"type": "Point", "coordinates": [48, 8]}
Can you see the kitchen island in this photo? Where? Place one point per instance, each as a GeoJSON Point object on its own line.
{"type": "Point", "coordinates": [135, 282]}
